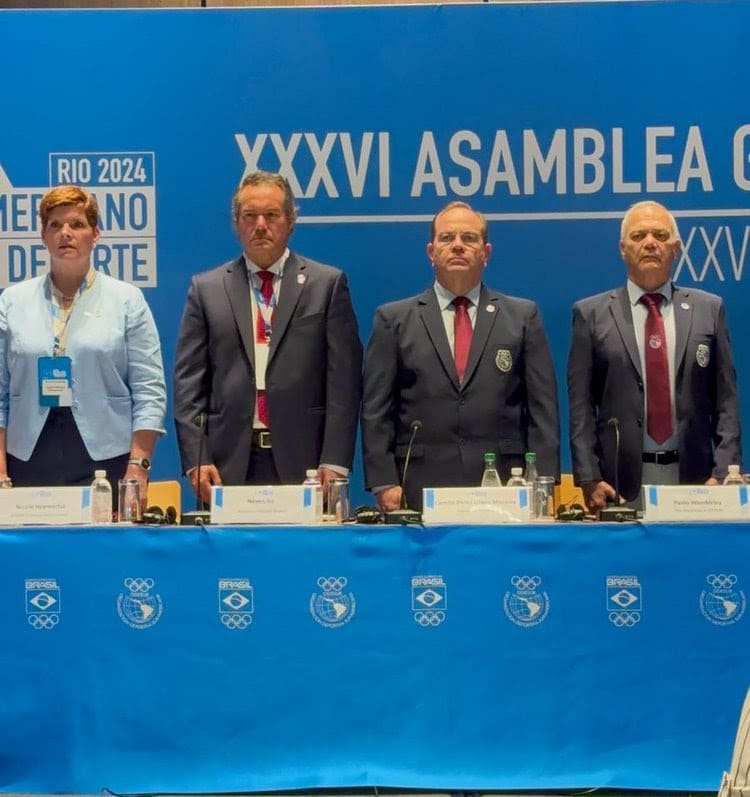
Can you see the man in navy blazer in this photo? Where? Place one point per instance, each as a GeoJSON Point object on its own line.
{"type": "Point", "coordinates": [506, 402]}
{"type": "Point", "coordinates": [607, 374]}
{"type": "Point", "coordinates": [267, 386]}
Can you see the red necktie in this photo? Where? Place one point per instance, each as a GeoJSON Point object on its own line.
{"type": "Point", "coordinates": [658, 401]}
{"type": "Point", "coordinates": [266, 292]}
{"type": "Point", "coordinates": [461, 335]}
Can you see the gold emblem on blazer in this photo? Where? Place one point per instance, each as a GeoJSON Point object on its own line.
{"type": "Point", "coordinates": [503, 360]}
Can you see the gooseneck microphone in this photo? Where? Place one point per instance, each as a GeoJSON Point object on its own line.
{"type": "Point", "coordinates": [617, 513]}
{"type": "Point", "coordinates": [415, 427]}
{"type": "Point", "coordinates": [405, 515]}
{"type": "Point", "coordinates": [201, 421]}
{"type": "Point", "coordinates": [201, 516]}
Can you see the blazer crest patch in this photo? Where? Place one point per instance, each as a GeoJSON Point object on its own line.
{"type": "Point", "coordinates": [503, 360]}
{"type": "Point", "coordinates": [703, 355]}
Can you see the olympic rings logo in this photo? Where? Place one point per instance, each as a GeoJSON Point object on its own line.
{"type": "Point", "coordinates": [526, 583]}
{"type": "Point", "coordinates": [236, 621]}
{"type": "Point", "coordinates": [332, 584]}
{"type": "Point", "coordinates": [139, 584]}
{"type": "Point", "coordinates": [43, 621]}
{"type": "Point", "coordinates": [624, 619]}
{"type": "Point", "coordinates": [426, 619]}
{"type": "Point", "coordinates": [721, 581]}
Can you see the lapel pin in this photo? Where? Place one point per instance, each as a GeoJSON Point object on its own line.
{"type": "Point", "coordinates": [685, 306]}
{"type": "Point", "coordinates": [490, 308]}
{"type": "Point", "coordinates": [301, 279]}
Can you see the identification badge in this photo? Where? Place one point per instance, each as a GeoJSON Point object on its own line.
{"type": "Point", "coordinates": [55, 378]}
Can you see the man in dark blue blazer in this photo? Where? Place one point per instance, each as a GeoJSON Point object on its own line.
{"type": "Point", "coordinates": [268, 368]}
{"type": "Point", "coordinates": [607, 374]}
{"type": "Point", "coordinates": [505, 401]}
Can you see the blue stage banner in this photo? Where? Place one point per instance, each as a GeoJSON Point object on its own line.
{"type": "Point", "coordinates": [551, 118]}
{"type": "Point", "coordinates": [538, 657]}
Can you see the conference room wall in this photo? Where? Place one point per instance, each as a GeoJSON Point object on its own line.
{"type": "Point", "coordinates": [439, 93]}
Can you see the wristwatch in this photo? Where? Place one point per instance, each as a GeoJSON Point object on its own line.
{"type": "Point", "coordinates": [141, 462]}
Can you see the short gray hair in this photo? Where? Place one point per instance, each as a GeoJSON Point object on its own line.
{"type": "Point", "coordinates": [644, 203]}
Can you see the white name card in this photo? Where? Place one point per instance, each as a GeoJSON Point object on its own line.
{"type": "Point", "coordinates": [276, 504]}
{"type": "Point", "coordinates": [476, 505]}
{"type": "Point", "coordinates": [696, 502]}
{"type": "Point", "coordinates": [45, 506]}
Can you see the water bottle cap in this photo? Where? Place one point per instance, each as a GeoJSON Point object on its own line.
{"type": "Point", "coordinates": [530, 456]}
{"type": "Point", "coordinates": [734, 468]}
{"type": "Point", "coordinates": [489, 457]}
{"type": "Point", "coordinates": [516, 471]}
{"type": "Point", "coordinates": [100, 474]}
{"type": "Point", "coordinates": [311, 473]}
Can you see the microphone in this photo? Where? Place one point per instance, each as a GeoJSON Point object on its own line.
{"type": "Point", "coordinates": [404, 515]}
{"type": "Point", "coordinates": [617, 513]}
{"type": "Point", "coordinates": [201, 516]}
{"type": "Point", "coordinates": [156, 516]}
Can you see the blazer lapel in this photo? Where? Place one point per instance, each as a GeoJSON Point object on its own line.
{"type": "Point", "coordinates": [683, 318]}
{"type": "Point", "coordinates": [292, 285]}
{"type": "Point", "coordinates": [485, 320]}
{"type": "Point", "coordinates": [238, 292]}
{"type": "Point", "coordinates": [433, 321]}
{"type": "Point", "coordinates": [623, 315]}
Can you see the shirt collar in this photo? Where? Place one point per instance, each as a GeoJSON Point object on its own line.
{"type": "Point", "coordinates": [277, 267]}
{"type": "Point", "coordinates": [445, 297]}
{"type": "Point", "coordinates": [635, 292]}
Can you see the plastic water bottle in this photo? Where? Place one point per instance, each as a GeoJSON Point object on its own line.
{"type": "Point", "coordinates": [516, 478]}
{"type": "Point", "coordinates": [101, 499]}
{"type": "Point", "coordinates": [733, 475]}
{"type": "Point", "coordinates": [531, 475]}
{"type": "Point", "coordinates": [312, 480]}
{"type": "Point", "coordinates": [490, 477]}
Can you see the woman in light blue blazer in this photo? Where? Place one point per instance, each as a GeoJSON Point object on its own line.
{"type": "Point", "coordinates": [81, 378]}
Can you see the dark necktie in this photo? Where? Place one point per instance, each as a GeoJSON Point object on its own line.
{"type": "Point", "coordinates": [462, 333]}
{"type": "Point", "coordinates": [266, 292]}
{"type": "Point", "coordinates": [658, 393]}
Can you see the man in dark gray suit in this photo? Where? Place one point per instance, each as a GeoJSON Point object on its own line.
{"type": "Point", "coordinates": [268, 363]}
{"type": "Point", "coordinates": [684, 427]}
{"type": "Point", "coordinates": [488, 388]}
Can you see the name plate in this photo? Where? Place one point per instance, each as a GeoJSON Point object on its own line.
{"type": "Point", "coordinates": [45, 506]}
{"type": "Point", "coordinates": [276, 504]}
{"type": "Point", "coordinates": [476, 505]}
{"type": "Point", "coordinates": [696, 502]}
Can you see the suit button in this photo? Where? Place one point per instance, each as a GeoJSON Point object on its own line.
{"type": "Point", "coordinates": [640, 386]}
{"type": "Point", "coordinates": [640, 422]}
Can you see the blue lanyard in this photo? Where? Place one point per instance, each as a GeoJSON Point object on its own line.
{"type": "Point", "coordinates": [266, 310]}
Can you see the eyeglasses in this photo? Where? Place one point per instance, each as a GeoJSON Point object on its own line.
{"type": "Point", "coordinates": [471, 239]}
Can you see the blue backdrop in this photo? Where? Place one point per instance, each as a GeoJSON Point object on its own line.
{"type": "Point", "coordinates": [550, 118]}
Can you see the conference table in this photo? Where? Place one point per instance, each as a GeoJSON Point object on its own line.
{"type": "Point", "coordinates": [217, 659]}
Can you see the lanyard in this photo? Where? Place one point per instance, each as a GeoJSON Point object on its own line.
{"type": "Point", "coordinates": [60, 321]}
{"type": "Point", "coordinates": [61, 315]}
{"type": "Point", "coordinates": [265, 311]}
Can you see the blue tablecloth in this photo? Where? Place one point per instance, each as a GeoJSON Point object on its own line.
{"type": "Point", "coordinates": [535, 657]}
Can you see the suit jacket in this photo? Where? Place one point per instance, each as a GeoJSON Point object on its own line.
{"type": "Point", "coordinates": [118, 378]}
{"type": "Point", "coordinates": [313, 376]}
{"type": "Point", "coordinates": [507, 403]}
{"type": "Point", "coordinates": [605, 381]}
